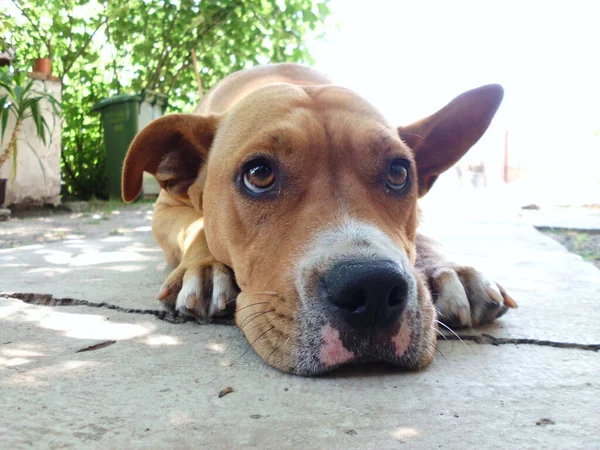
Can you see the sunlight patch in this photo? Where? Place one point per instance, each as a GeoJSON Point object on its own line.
{"type": "Point", "coordinates": [219, 348]}
{"type": "Point", "coordinates": [161, 339]}
{"type": "Point", "coordinates": [402, 433]}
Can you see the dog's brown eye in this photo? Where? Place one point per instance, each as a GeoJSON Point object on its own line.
{"type": "Point", "coordinates": [259, 177]}
{"type": "Point", "coordinates": [398, 174]}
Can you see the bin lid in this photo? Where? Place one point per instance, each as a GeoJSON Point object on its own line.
{"type": "Point", "coordinates": [155, 98]}
{"type": "Point", "coordinates": [115, 101]}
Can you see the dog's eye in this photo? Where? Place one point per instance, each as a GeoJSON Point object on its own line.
{"type": "Point", "coordinates": [259, 177]}
{"type": "Point", "coordinates": [397, 176]}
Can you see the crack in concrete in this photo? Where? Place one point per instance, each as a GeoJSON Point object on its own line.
{"type": "Point", "coordinates": [492, 340]}
{"type": "Point", "coordinates": [50, 300]}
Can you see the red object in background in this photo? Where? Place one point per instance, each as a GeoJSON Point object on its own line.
{"type": "Point", "coordinates": [43, 65]}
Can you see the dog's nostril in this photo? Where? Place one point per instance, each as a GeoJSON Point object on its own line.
{"type": "Point", "coordinates": [358, 301]}
{"type": "Point", "coordinates": [397, 295]}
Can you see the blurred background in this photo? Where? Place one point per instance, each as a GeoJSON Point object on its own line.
{"type": "Point", "coordinates": [407, 57]}
{"type": "Point", "coordinates": [410, 57]}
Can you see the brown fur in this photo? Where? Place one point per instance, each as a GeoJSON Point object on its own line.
{"type": "Point", "coordinates": [332, 145]}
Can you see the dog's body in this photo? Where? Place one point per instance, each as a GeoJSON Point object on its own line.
{"type": "Point", "coordinates": [303, 191]}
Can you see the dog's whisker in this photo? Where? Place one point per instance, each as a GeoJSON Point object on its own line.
{"type": "Point", "coordinates": [275, 348]}
{"type": "Point", "coordinates": [263, 340]}
{"type": "Point", "coordinates": [441, 334]}
{"type": "Point", "coordinates": [236, 334]}
{"type": "Point", "coordinates": [440, 352]}
{"type": "Point", "coordinates": [286, 342]}
{"type": "Point", "coordinates": [251, 344]}
{"type": "Point", "coordinates": [451, 331]}
{"type": "Point", "coordinates": [253, 316]}
{"type": "Point", "coordinates": [249, 318]}
{"type": "Point", "coordinates": [248, 294]}
{"type": "Point", "coordinates": [278, 348]}
{"type": "Point", "coordinates": [251, 304]}
{"type": "Point", "coordinates": [254, 294]}
{"type": "Point", "coordinates": [429, 352]}
{"type": "Point", "coordinates": [211, 335]}
{"type": "Point", "coordinates": [274, 318]}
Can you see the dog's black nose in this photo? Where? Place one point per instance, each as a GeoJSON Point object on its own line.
{"type": "Point", "coordinates": [366, 292]}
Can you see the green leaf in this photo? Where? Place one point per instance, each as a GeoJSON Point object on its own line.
{"type": "Point", "coordinates": [7, 84]}
{"type": "Point", "coordinates": [38, 120]}
{"type": "Point", "coordinates": [19, 91]}
{"type": "Point", "coordinates": [4, 111]}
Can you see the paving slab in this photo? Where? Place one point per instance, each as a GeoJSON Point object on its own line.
{"type": "Point", "coordinates": [529, 381]}
{"type": "Point", "coordinates": [122, 270]}
{"type": "Point", "coordinates": [157, 386]}
{"type": "Point", "coordinates": [99, 257]}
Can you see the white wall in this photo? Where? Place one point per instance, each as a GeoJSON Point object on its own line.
{"type": "Point", "coordinates": [29, 186]}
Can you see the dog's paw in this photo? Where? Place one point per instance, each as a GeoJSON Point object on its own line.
{"type": "Point", "coordinates": [465, 297]}
{"type": "Point", "coordinates": [200, 289]}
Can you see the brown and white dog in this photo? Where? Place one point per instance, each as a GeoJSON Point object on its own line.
{"type": "Point", "coordinates": [297, 198]}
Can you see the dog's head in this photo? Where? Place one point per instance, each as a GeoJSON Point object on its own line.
{"type": "Point", "coordinates": [310, 196]}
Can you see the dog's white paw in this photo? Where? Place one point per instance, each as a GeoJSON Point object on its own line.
{"type": "Point", "coordinates": [201, 290]}
{"type": "Point", "coordinates": [465, 297]}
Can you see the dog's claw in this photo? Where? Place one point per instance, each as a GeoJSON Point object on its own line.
{"type": "Point", "coordinates": [190, 302]}
{"type": "Point", "coordinates": [163, 293]}
{"type": "Point", "coordinates": [509, 302]}
{"type": "Point", "coordinates": [201, 290]}
{"type": "Point", "coordinates": [465, 297]}
{"type": "Point", "coordinates": [464, 316]}
{"type": "Point", "coordinates": [494, 294]}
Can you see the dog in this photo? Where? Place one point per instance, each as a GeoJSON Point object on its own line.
{"type": "Point", "coordinates": [294, 200]}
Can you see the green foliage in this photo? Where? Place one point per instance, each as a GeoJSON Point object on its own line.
{"type": "Point", "coordinates": [101, 48]}
{"type": "Point", "coordinates": [22, 101]}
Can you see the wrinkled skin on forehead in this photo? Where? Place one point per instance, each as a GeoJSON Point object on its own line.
{"type": "Point", "coordinates": [332, 149]}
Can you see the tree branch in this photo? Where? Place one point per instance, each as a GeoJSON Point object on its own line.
{"type": "Point", "coordinates": [183, 66]}
{"type": "Point", "coordinates": [214, 22]}
{"type": "Point", "coordinates": [197, 74]}
{"type": "Point", "coordinates": [80, 187]}
{"type": "Point", "coordinates": [83, 48]}
{"type": "Point", "coordinates": [70, 37]}
{"type": "Point", "coordinates": [114, 57]}
{"type": "Point", "coordinates": [164, 53]}
{"type": "Point", "coordinates": [35, 29]}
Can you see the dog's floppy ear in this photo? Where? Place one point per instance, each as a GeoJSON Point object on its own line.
{"type": "Point", "coordinates": [440, 140]}
{"type": "Point", "coordinates": [172, 148]}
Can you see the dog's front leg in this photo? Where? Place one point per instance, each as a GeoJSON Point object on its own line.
{"type": "Point", "coordinates": [199, 286]}
{"type": "Point", "coordinates": [463, 296]}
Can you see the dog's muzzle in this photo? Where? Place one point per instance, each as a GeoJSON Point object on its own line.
{"type": "Point", "coordinates": [359, 301]}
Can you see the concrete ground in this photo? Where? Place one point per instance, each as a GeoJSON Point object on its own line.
{"type": "Point", "coordinates": [92, 363]}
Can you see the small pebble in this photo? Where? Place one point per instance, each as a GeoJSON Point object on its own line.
{"type": "Point", "coordinates": [224, 392]}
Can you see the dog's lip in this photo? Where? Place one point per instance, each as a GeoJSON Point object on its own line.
{"type": "Point", "coordinates": [339, 346]}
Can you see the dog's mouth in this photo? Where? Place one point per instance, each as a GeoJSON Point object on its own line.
{"type": "Point", "coordinates": [358, 300]}
{"type": "Point", "coordinates": [386, 324]}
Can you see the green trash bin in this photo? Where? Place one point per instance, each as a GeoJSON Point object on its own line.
{"type": "Point", "coordinates": [123, 116]}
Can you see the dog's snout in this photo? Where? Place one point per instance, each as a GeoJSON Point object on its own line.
{"type": "Point", "coordinates": [366, 292]}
